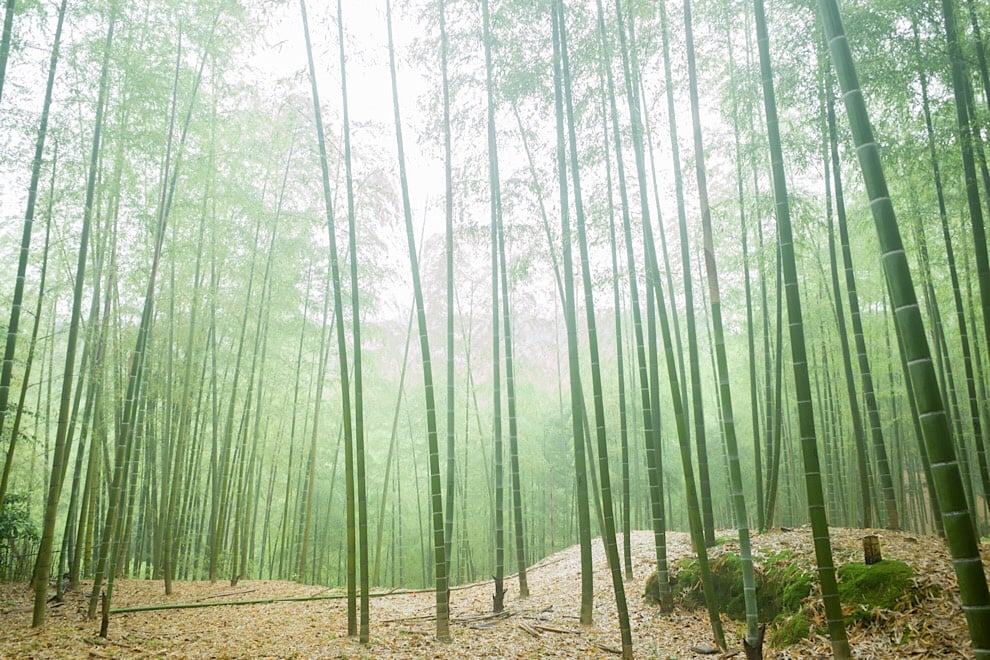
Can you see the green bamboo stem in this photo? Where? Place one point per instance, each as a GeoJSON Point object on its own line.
{"type": "Point", "coordinates": [956, 517]}
{"type": "Point", "coordinates": [799, 358]}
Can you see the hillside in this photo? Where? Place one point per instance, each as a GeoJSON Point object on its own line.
{"type": "Point", "coordinates": [544, 625]}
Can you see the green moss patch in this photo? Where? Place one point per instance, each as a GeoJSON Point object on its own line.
{"type": "Point", "coordinates": [788, 629]}
{"type": "Point", "coordinates": [865, 590]}
{"type": "Point", "coordinates": [783, 585]}
{"type": "Point", "coordinates": [781, 588]}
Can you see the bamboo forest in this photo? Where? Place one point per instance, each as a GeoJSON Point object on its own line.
{"type": "Point", "coordinates": [495, 328]}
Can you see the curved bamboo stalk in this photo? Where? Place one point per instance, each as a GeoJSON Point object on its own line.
{"type": "Point", "coordinates": [345, 389]}
{"type": "Point", "coordinates": [61, 450]}
{"type": "Point", "coordinates": [361, 485]}
{"type": "Point", "coordinates": [650, 410]}
{"type": "Point", "coordinates": [754, 637]}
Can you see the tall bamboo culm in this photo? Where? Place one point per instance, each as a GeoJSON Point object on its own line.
{"type": "Point", "coordinates": [960, 533]}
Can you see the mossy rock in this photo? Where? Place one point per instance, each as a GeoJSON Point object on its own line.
{"type": "Point", "coordinates": [785, 585]}
{"type": "Point", "coordinates": [651, 593]}
{"type": "Point", "coordinates": [781, 585]}
{"type": "Point", "coordinates": [685, 585]}
{"type": "Point", "coordinates": [728, 581]}
{"type": "Point", "coordinates": [865, 590]}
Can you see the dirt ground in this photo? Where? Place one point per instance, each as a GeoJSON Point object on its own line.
{"type": "Point", "coordinates": [544, 625]}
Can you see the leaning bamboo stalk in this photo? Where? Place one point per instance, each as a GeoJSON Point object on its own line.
{"type": "Point", "coordinates": [956, 517]}
{"type": "Point", "coordinates": [436, 498]}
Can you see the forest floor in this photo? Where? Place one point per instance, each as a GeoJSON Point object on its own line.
{"type": "Point", "coordinates": [543, 625]}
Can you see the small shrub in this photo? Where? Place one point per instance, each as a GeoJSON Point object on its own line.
{"type": "Point", "coordinates": [18, 537]}
{"type": "Point", "coordinates": [15, 524]}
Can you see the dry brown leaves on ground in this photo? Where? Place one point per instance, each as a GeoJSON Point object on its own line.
{"type": "Point", "coordinates": [542, 626]}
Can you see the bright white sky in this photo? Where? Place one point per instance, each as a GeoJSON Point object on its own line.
{"type": "Point", "coordinates": [281, 53]}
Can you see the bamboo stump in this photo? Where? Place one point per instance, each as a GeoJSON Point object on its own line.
{"type": "Point", "coordinates": [755, 651]}
{"type": "Point", "coordinates": [498, 599]}
{"type": "Point", "coordinates": [871, 549]}
{"type": "Point", "coordinates": [105, 617]}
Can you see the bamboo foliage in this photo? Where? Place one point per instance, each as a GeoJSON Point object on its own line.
{"type": "Point", "coordinates": [113, 532]}
{"type": "Point", "coordinates": [7, 369]}
{"type": "Point", "coordinates": [8, 25]}
{"type": "Point", "coordinates": [215, 426]}
{"type": "Point", "coordinates": [61, 450]}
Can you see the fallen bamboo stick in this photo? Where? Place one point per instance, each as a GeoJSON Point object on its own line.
{"type": "Point", "coordinates": [608, 649]}
{"type": "Point", "coordinates": [529, 629]}
{"type": "Point", "coordinates": [233, 593]}
{"type": "Point", "coordinates": [261, 601]}
{"type": "Point", "coordinates": [557, 630]}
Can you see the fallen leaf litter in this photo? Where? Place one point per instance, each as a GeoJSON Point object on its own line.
{"type": "Point", "coordinates": [545, 625]}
